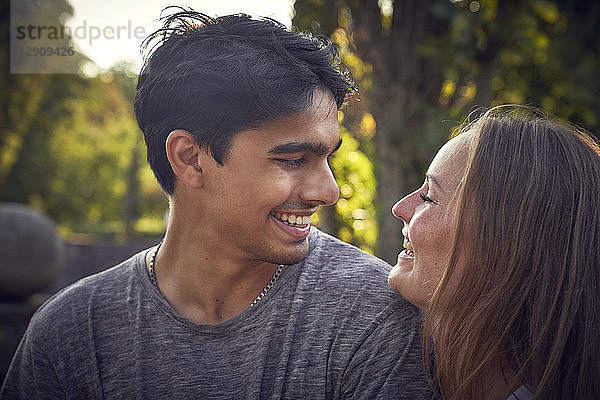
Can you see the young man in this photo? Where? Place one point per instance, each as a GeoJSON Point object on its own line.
{"type": "Point", "coordinates": [242, 298]}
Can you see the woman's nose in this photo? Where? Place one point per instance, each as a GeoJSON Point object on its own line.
{"type": "Point", "coordinates": [404, 208]}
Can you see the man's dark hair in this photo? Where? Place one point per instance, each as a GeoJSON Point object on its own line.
{"type": "Point", "coordinates": [215, 77]}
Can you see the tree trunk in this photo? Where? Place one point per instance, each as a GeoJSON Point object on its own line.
{"type": "Point", "coordinates": [406, 87]}
{"type": "Point", "coordinates": [404, 94]}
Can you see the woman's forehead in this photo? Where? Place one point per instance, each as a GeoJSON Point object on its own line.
{"type": "Point", "coordinates": [449, 164]}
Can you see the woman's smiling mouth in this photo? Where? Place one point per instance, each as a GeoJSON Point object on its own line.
{"type": "Point", "coordinates": [408, 249]}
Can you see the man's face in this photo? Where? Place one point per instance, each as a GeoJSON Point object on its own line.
{"type": "Point", "coordinates": [259, 203]}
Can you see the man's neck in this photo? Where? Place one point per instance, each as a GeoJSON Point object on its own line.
{"type": "Point", "coordinates": [207, 289]}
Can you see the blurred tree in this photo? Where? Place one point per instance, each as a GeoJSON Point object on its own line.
{"type": "Point", "coordinates": [70, 146]}
{"type": "Point", "coordinates": [355, 209]}
{"type": "Point", "coordinates": [567, 82]}
{"type": "Point", "coordinates": [383, 45]}
{"type": "Point", "coordinates": [422, 64]}
{"type": "Point", "coordinates": [353, 218]}
{"type": "Point", "coordinates": [21, 94]}
{"type": "Point", "coordinates": [76, 153]}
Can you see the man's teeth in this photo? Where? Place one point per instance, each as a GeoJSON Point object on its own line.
{"type": "Point", "coordinates": [292, 219]}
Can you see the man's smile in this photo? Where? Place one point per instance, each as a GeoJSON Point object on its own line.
{"type": "Point", "coordinates": [293, 219]}
{"type": "Point", "coordinates": [293, 223]}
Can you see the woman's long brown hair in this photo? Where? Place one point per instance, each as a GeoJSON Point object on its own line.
{"type": "Point", "coordinates": [528, 226]}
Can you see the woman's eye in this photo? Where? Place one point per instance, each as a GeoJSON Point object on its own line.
{"type": "Point", "coordinates": [298, 162]}
{"type": "Point", "coordinates": [426, 198]}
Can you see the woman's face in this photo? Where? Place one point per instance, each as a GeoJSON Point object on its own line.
{"type": "Point", "coordinates": [428, 214]}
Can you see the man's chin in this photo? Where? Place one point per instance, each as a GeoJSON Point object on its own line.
{"type": "Point", "coordinates": [294, 256]}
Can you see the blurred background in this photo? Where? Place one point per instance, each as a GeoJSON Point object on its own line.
{"type": "Point", "coordinates": [71, 151]}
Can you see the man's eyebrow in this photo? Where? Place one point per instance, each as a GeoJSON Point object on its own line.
{"type": "Point", "coordinates": [319, 149]}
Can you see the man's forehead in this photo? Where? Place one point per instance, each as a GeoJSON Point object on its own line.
{"type": "Point", "coordinates": [314, 130]}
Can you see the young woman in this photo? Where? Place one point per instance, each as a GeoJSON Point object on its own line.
{"type": "Point", "coordinates": [502, 251]}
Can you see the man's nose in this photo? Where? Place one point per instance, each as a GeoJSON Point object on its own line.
{"type": "Point", "coordinates": [319, 186]}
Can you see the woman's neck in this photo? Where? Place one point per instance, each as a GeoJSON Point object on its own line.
{"type": "Point", "coordinates": [503, 381]}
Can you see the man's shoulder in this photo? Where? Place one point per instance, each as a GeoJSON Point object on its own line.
{"type": "Point", "coordinates": [336, 254]}
{"type": "Point", "coordinates": [347, 289]}
{"type": "Point", "coordinates": [74, 303]}
{"type": "Point", "coordinates": [351, 276]}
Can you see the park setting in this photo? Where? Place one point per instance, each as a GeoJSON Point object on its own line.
{"type": "Point", "coordinates": [77, 195]}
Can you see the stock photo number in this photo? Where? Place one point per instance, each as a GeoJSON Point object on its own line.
{"type": "Point", "coordinates": [61, 51]}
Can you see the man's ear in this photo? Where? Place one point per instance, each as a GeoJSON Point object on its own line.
{"type": "Point", "coordinates": [182, 152]}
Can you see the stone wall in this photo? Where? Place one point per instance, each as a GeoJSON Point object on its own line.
{"type": "Point", "coordinates": [27, 257]}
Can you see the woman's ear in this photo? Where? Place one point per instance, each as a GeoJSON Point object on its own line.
{"type": "Point", "coordinates": [182, 152]}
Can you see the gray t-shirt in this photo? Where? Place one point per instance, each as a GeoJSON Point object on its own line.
{"type": "Point", "coordinates": [330, 328]}
{"type": "Point", "coordinates": [522, 393]}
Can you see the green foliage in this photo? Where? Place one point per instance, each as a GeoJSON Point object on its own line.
{"type": "Point", "coordinates": [422, 67]}
{"type": "Point", "coordinates": [81, 158]}
{"type": "Point", "coordinates": [542, 53]}
{"type": "Point", "coordinates": [355, 210]}
{"type": "Point", "coordinates": [69, 144]}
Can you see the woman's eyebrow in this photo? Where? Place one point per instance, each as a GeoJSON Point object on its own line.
{"type": "Point", "coordinates": [434, 181]}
